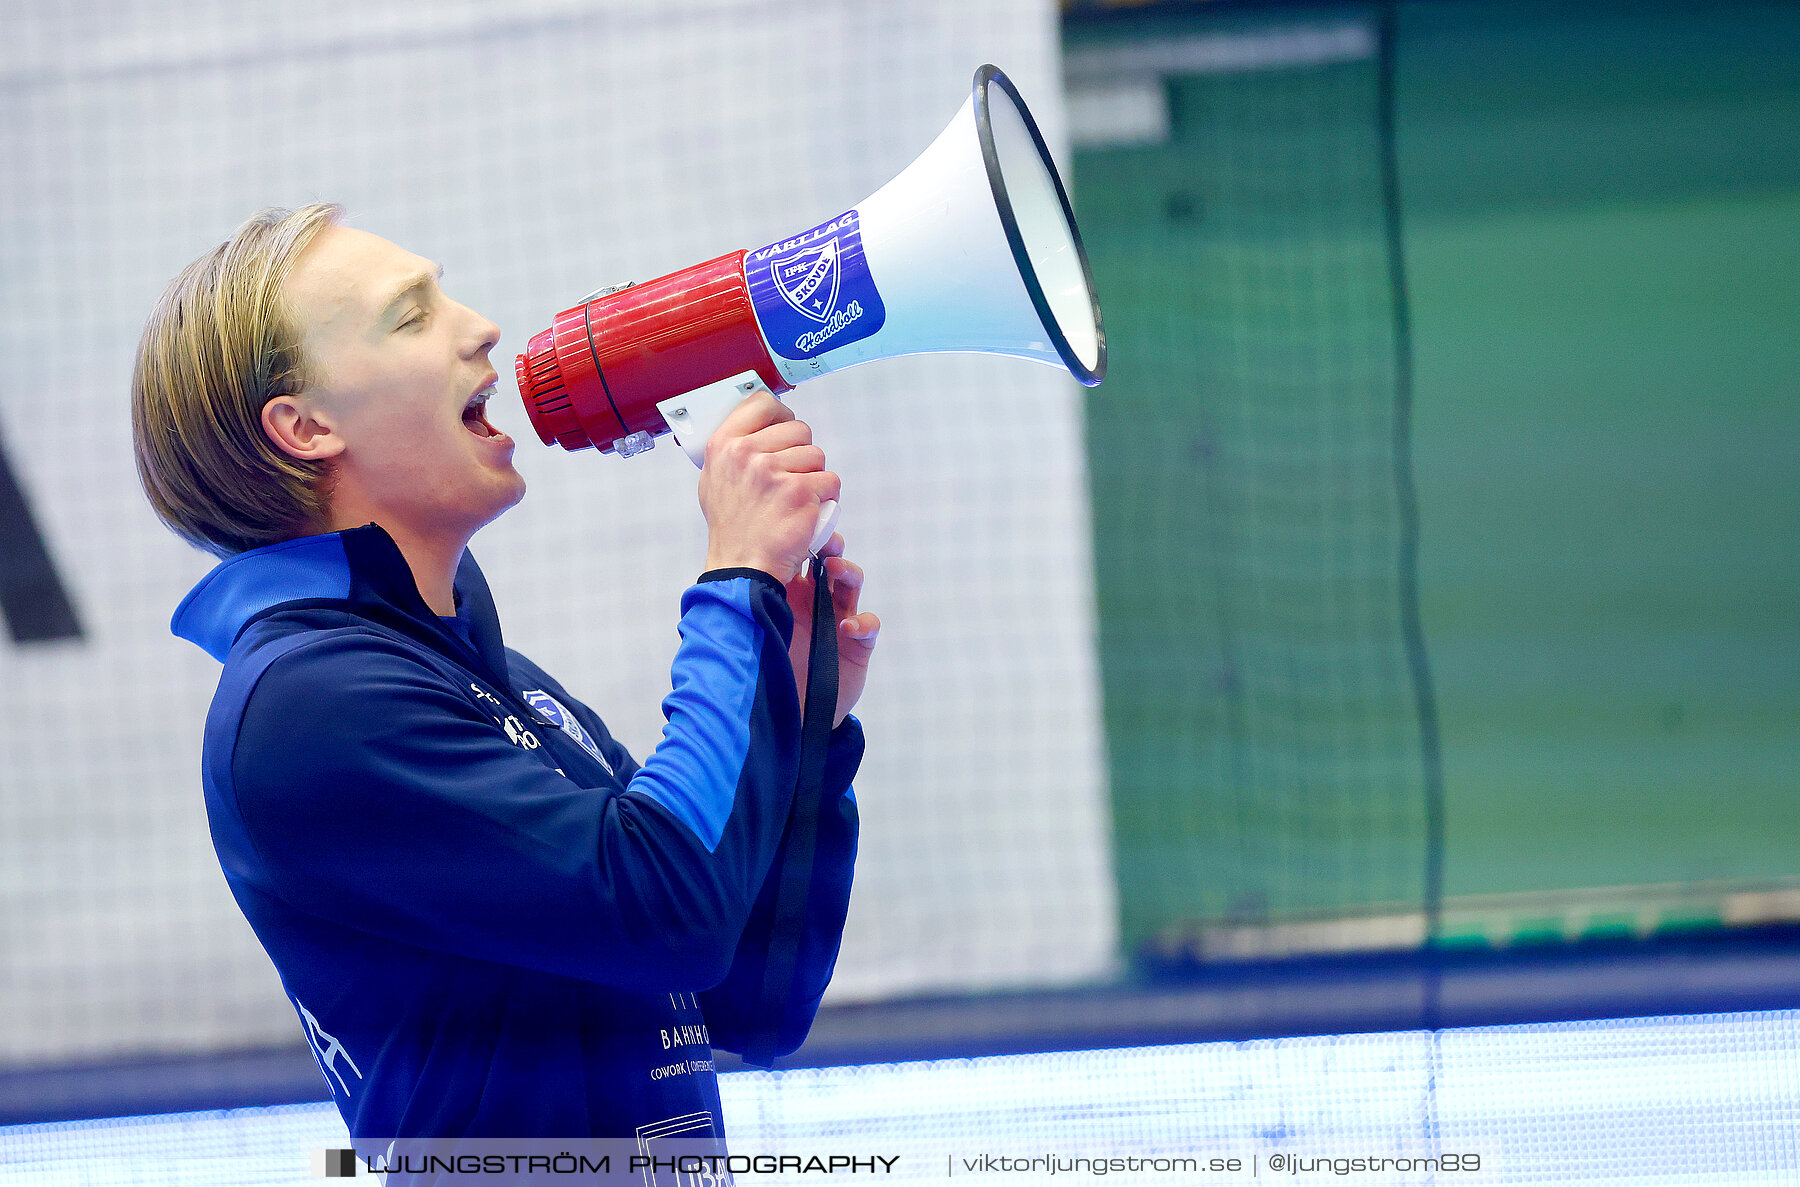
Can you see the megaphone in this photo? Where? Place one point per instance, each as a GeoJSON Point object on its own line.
{"type": "Point", "coordinates": [972, 248]}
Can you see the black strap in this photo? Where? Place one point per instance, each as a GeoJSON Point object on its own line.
{"type": "Point", "coordinates": [803, 823]}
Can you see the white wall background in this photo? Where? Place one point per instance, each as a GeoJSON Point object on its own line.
{"type": "Point", "coordinates": [538, 148]}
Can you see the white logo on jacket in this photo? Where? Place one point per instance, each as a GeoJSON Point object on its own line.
{"type": "Point", "coordinates": [325, 1049]}
{"type": "Point", "coordinates": [518, 734]}
{"type": "Point", "coordinates": [553, 711]}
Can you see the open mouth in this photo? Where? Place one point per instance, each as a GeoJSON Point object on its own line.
{"type": "Point", "coordinates": [474, 414]}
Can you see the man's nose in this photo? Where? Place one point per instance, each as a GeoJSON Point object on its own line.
{"type": "Point", "coordinates": [485, 335]}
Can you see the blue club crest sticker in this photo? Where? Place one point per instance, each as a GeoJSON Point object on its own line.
{"type": "Point", "coordinates": [552, 711]}
{"type": "Point", "coordinates": [813, 293]}
{"type": "Point", "coordinates": [810, 279]}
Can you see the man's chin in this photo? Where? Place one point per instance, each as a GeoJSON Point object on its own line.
{"type": "Point", "coordinates": [506, 502]}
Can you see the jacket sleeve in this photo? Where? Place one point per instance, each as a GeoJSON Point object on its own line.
{"type": "Point", "coordinates": [378, 795]}
{"type": "Point", "coordinates": [733, 1008]}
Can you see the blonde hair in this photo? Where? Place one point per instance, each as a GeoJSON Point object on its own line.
{"type": "Point", "coordinates": [220, 343]}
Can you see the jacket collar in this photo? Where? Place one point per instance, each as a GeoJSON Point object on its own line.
{"type": "Point", "coordinates": [360, 570]}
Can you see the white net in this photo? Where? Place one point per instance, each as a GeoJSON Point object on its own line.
{"type": "Point", "coordinates": [539, 149]}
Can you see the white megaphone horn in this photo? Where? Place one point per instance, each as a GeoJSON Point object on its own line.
{"type": "Point", "coordinates": [972, 248]}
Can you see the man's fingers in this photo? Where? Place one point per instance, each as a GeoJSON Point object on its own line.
{"type": "Point", "coordinates": [801, 459]}
{"type": "Point", "coordinates": [846, 585]}
{"type": "Point", "coordinates": [780, 435]}
{"type": "Point", "coordinates": [862, 628]}
{"type": "Point", "coordinates": [824, 484]}
{"type": "Point", "coordinates": [841, 571]}
{"type": "Point", "coordinates": [757, 411]}
{"type": "Point", "coordinates": [845, 575]}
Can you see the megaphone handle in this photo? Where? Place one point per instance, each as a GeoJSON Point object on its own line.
{"type": "Point", "coordinates": [694, 416]}
{"type": "Point", "coordinates": [828, 517]}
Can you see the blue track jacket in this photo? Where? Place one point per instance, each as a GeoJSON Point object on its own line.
{"type": "Point", "coordinates": [492, 921]}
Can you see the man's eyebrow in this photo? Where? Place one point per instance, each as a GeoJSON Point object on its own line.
{"type": "Point", "coordinates": [413, 285]}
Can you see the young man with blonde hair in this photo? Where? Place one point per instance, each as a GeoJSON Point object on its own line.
{"type": "Point", "coordinates": [491, 920]}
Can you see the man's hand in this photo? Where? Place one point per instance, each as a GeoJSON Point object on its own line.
{"type": "Point", "coordinates": [855, 632]}
{"type": "Point", "coordinates": [760, 489]}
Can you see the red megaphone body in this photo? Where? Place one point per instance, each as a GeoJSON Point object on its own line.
{"type": "Point", "coordinates": [596, 376]}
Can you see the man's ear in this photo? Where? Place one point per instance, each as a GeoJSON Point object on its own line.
{"type": "Point", "coordinates": [299, 429]}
